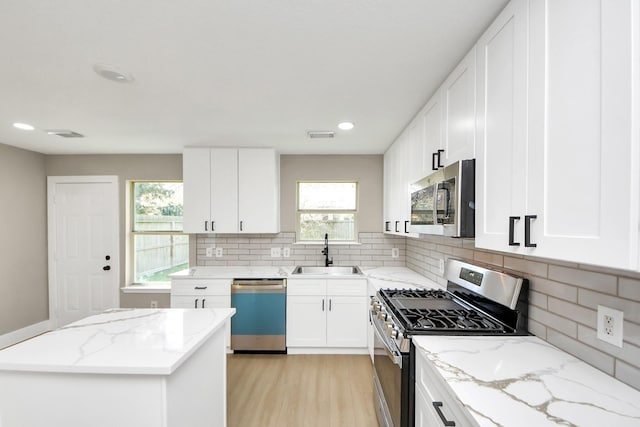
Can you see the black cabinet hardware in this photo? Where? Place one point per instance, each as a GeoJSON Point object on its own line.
{"type": "Point", "coordinates": [106, 268]}
{"type": "Point", "coordinates": [205, 226]}
{"type": "Point", "coordinates": [387, 226]}
{"type": "Point", "coordinates": [195, 305]}
{"type": "Point", "coordinates": [435, 165]}
{"type": "Point", "coordinates": [322, 304]}
{"type": "Point", "coordinates": [240, 225]}
{"type": "Point", "coordinates": [512, 224]}
{"type": "Point", "coordinates": [203, 300]}
{"type": "Point", "coordinates": [200, 288]}
{"type": "Point", "coordinates": [527, 231]}
{"type": "Point", "coordinates": [213, 226]}
{"type": "Point", "coordinates": [446, 422]}
{"type": "Point", "coordinates": [108, 257]}
{"type": "Point", "coordinates": [405, 227]}
{"type": "Point", "coordinates": [329, 305]}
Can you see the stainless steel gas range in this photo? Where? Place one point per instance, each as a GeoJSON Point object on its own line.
{"type": "Point", "coordinates": [478, 300]}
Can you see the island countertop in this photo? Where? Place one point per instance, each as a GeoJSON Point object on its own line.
{"type": "Point", "coordinates": [119, 341]}
{"type": "Point", "coordinates": [524, 381]}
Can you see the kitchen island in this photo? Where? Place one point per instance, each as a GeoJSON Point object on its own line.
{"type": "Point", "coordinates": [132, 367]}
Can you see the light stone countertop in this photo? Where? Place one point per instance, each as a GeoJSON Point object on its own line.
{"type": "Point", "coordinates": [524, 381]}
{"type": "Point", "coordinates": [119, 341]}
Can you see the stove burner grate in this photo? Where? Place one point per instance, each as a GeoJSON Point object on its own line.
{"type": "Point", "coordinates": [449, 320]}
{"type": "Point", "coordinates": [416, 293]}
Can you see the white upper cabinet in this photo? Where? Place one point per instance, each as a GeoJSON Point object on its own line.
{"type": "Point", "coordinates": [431, 118]}
{"type": "Point", "coordinates": [560, 156]}
{"type": "Point", "coordinates": [501, 127]}
{"type": "Point", "coordinates": [459, 111]}
{"type": "Point", "coordinates": [259, 190]}
{"type": "Point", "coordinates": [397, 199]}
{"type": "Point", "coordinates": [230, 190]}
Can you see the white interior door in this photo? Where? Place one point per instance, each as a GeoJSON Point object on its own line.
{"type": "Point", "coordinates": [83, 247]}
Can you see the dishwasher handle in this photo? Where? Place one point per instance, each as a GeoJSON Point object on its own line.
{"type": "Point", "coordinates": [259, 286]}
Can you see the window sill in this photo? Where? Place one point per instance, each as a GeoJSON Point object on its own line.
{"type": "Point", "coordinates": [331, 243]}
{"type": "Point", "coordinates": [164, 288]}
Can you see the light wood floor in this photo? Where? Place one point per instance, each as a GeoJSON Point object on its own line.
{"type": "Point", "coordinates": [300, 390]}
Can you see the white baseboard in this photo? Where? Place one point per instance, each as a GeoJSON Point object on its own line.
{"type": "Point", "coordinates": [327, 350]}
{"type": "Point", "coordinates": [25, 333]}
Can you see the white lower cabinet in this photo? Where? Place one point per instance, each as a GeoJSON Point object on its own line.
{"type": "Point", "coordinates": [327, 313]}
{"type": "Point", "coordinates": [435, 404]}
{"type": "Point", "coordinates": [202, 293]}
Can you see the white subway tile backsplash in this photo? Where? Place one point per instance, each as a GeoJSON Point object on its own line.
{"type": "Point", "coordinates": [629, 353]}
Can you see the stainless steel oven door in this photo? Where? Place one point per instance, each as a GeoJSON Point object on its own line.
{"type": "Point", "coordinates": [387, 364]}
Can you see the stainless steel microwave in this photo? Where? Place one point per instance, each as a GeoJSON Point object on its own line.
{"type": "Point", "coordinates": [443, 203]}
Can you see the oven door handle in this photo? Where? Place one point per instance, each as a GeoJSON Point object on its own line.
{"type": "Point", "coordinates": [393, 355]}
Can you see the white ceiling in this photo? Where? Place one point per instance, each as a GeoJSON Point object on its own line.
{"type": "Point", "coordinates": [226, 73]}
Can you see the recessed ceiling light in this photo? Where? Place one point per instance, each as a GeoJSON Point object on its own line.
{"type": "Point", "coordinates": [110, 73]}
{"type": "Point", "coordinates": [345, 125]}
{"type": "Point", "coordinates": [23, 126]}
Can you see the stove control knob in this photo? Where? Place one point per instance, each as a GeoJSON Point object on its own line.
{"type": "Point", "coordinates": [394, 333]}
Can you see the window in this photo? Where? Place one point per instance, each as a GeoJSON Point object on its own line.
{"type": "Point", "coordinates": [158, 246]}
{"type": "Point", "coordinates": [327, 207]}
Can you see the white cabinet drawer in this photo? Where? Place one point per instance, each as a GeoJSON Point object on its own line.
{"type": "Point", "coordinates": [306, 287]}
{"type": "Point", "coordinates": [204, 301]}
{"type": "Point", "coordinates": [202, 287]}
{"type": "Point", "coordinates": [437, 393]}
{"type": "Point", "coordinates": [348, 287]}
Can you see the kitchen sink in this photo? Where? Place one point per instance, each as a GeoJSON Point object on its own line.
{"type": "Point", "coordinates": [337, 270]}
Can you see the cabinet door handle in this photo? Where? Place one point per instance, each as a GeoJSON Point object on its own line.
{"type": "Point", "coordinates": [446, 422]}
{"type": "Point", "coordinates": [329, 304]}
{"type": "Point", "coordinates": [440, 165]}
{"type": "Point", "coordinates": [387, 226]}
{"type": "Point", "coordinates": [322, 304]}
{"type": "Point", "coordinates": [527, 231]}
{"type": "Point", "coordinates": [512, 225]}
{"type": "Point", "coordinates": [405, 227]}
{"type": "Point", "coordinates": [240, 225]}
{"type": "Point", "coordinates": [205, 226]}
{"type": "Point", "coordinates": [397, 222]}
{"type": "Point", "coordinates": [203, 300]}
{"type": "Point", "coordinates": [200, 288]}
{"type": "Point", "coordinates": [433, 161]}
{"type": "Point", "coordinates": [196, 303]}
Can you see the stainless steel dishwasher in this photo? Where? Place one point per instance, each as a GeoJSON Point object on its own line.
{"type": "Point", "coordinates": [259, 324]}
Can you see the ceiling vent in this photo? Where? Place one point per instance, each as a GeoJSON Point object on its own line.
{"type": "Point", "coordinates": [65, 133]}
{"type": "Point", "coordinates": [321, 134]}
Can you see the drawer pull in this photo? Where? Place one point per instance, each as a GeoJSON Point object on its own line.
{"type": "Point", "coordinates": [200, 288]}
{"type": "Point", "coordinates": [196, 303]}
{"type": "Point", "coordinates": [446, 422]}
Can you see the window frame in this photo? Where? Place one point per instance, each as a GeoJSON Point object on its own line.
{"type": "Point", "coordinates": [327, 211]}
{"type": "Point", "coordinates": [131, 233]}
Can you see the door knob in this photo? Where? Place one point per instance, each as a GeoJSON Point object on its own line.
{"type": "Point", "coordinates": [106, 268]}
{"type": "Point", "coordinates": [108, 257]}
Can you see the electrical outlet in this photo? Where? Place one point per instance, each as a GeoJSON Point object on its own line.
{"type": "Point", "coordinates": [286, 252]}
{"type": "Point", "coordinates": [208, 252]}
{"type": "Point", "coordinates": [395, 252]}
{"type": "Point", "coordinates": [218, 252]}
{"type": "Point", "coordinates": [275, 252]}
{"type": "Point", "coordinates": [154, 304]}
{"type": "Point", "coordinates": [610, 324]}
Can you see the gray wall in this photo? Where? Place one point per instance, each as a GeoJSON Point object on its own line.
{"type": "Point", "coordinates": [563, 300]}
{"type": "Point", "coordinates": [367, 170]}
{"type": "Point", "coordinates": [24, 295]}
{"type": "Point", "coordinates": [126, 167]}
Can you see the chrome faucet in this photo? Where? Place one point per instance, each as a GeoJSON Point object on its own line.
{"type": "Point", "coordinates": [327, 261]}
